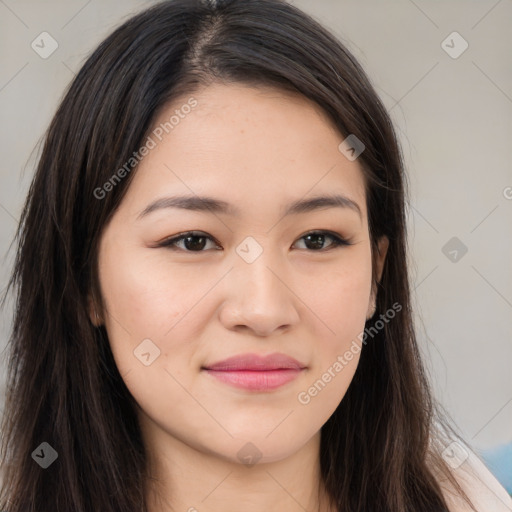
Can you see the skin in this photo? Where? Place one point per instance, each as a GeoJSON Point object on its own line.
{"type": "Point", "coordinates": [258, 149]}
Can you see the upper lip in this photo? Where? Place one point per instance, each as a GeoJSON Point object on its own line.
{"type": "Point", "coordinates": [256, 362]}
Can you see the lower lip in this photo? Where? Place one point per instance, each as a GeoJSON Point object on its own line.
{"type": "Point", "coordinates": [256, 380]}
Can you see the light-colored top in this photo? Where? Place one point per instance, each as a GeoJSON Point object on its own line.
{"type": "Point", "coordinates": [481, 486]}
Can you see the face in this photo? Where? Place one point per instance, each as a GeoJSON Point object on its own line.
{"type": "Point", "coordinates": [255, 277]}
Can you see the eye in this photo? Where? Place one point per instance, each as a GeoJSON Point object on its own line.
{"type": "Point", "coordinates": [194, 241]}
{"type": "Point", "coordinates": [317, 238]}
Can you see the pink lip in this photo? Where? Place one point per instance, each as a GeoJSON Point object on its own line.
{"type": "Point", "coordinates": [256, 373]}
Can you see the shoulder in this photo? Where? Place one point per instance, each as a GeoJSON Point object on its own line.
{"type": "Point", "coordinates": [481, 486]}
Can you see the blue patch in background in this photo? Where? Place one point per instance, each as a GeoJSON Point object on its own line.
{"type": "Point", "coordinates": [499, 462]}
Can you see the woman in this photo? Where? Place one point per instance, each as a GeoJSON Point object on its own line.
{"type": "Point", "coordinates": [213, 308]}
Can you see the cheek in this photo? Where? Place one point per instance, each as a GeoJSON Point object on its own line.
{"type": "Point", "coordinates": [144, 302]}
{"type": "Point", "coordinates": [145, 295]}
{"type": "Point", "coordinates": [341, 309]}
{"type": "Point", "coordinates": [341, 295]}
{"type": "Point", "coordinates": [344, 302]}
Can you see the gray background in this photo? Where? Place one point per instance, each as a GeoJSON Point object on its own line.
{"type": "Point", "coordinates": [454, 119]}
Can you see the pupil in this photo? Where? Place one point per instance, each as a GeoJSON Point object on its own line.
{"type": "Point", "coordinates": [318, 240]}
{"type": "Point", "coordinates": [194, 246]}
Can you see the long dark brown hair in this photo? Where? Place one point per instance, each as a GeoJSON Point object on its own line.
{"type": "Point", "coordinates": [381, 448]}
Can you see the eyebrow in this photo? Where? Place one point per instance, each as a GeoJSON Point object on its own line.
{"type": "Point", "coordinates": [213, 205]}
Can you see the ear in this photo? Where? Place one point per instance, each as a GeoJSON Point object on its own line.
{"type": "Point", "coordinates": [382, 250]}
{"type": "Point", "coordinates": [92, 310]}
{"type": "Point", "coordinates": [381, 256]}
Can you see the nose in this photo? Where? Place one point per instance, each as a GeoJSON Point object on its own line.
{"type": "Point", "coordinates": [258, 297]}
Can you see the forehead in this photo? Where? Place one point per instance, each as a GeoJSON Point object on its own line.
{"type": "Point", "coordinates": [247, 146]}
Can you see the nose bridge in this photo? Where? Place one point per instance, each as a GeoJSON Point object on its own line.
{"type": "Point", "coordinates": [256, 268]}
{"type": "Point", "coordinates": [260, 300]}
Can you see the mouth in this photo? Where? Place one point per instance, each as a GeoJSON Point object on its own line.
{"type": "Point", "coordinates": [256, 373]}
{"type": "Point", "coordinates": [255, 380]}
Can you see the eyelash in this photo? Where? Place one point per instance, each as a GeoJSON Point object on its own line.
{"type": "Point", "coordinates": [170, 243]}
